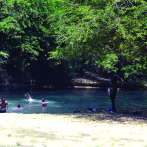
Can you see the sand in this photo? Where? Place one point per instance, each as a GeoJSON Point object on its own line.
{"type": "Point", "coordinates": [128, 127]}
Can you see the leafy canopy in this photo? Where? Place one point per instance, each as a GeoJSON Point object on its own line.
{"type": "Point", "coordinates": [106, 32]}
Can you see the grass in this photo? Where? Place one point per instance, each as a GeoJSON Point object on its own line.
{"type": "Point", "coordinates": [111, 138]}
{"type": "Point", "coordinates": [84, 135]}
{"type": "Point", "coordinates": [20, 135]}
{"type": "Point", "coordinates": [133, 140]}
{"type": "Point", "coordinates": [1, 128]}
{"type": "Point", "coordinates": [18, 144]}
{"type": "Point", "coordinates": [35, 133]}
{"type": "Point", "coordinates": [94, 138]}
{"type": "Point", "coordinates": [34, 141]}
{"type": "Point", "coordinates": [28, 137]}
{"type": "Point", "coordinates": [9, 135]}
{"type": "Point", "coordinates": [121, 144]}
{"type": "Point", "coordinates": [73, 136]}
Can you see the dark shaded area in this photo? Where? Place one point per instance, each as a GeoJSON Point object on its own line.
{"type": "Point", "coordinates": [41, 76]}
{"type": "Point", "coordinates": [123, 115]}
{"type": "Point", "coordinates": [46, 74]}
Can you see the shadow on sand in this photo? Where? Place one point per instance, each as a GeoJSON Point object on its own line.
{"type": "Point", "coordinates": [123, 115]}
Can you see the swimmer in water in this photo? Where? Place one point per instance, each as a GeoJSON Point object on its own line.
{"type": "Point", "coordinates": [26, 97]}
{"type": "Point", "coordinates": [18, 107]}
{"type": "Point", "coordinates": [43, 102]}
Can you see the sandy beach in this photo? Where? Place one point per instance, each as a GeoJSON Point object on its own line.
{"type": "Point", "coordinates": [85, 129]}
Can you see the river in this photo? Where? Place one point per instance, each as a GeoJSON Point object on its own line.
{"type": "Point", "coordinates": [68, 101]}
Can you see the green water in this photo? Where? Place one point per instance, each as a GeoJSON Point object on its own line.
{"type": "Point", "coordinates": [67, 101]}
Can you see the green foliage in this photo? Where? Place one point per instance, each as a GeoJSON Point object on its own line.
{"type": "Point", "coordinates": [24, 24]}
{"type": "Point", "coordinates": [104, 31]}
{"type": "Point", "coordinates": [26, 36]}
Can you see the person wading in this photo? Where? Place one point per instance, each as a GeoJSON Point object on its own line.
{"type": "Point", "coordinates": [4, 105]}
{"type": "Point", "coordinates": [113, 88]}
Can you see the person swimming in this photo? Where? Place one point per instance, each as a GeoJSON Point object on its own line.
{"type": "Point", "coordinates": [28, 97]}
{"type": "Point", "coordinates": [43, 102]}
{"type": "Point", "coordinates": [18, 107]}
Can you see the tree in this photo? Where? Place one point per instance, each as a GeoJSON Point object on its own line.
{"type": "Point", "coordinates": [104, 31]}
{"type": "Point", "coordinates": [26, 36]}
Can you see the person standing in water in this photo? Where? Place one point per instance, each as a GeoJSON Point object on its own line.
{"type": "Point", "coordinates": [113, 88]}
{"type": "Point", "coordinates": [43, 102]}
{"type": "Point", "coordinates": [4, 105]}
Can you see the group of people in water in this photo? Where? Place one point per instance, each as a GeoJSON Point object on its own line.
{"type": "Point", "coordinates": [111, 91]}
{"type": "Point", "coordinates": [4, 104]}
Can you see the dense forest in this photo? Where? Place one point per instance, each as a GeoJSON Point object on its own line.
{"type": "Point", "coordinates": [51, 42]}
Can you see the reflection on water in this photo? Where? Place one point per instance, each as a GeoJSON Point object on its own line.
{"type": "Point", "coordinates": [67, 101]}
